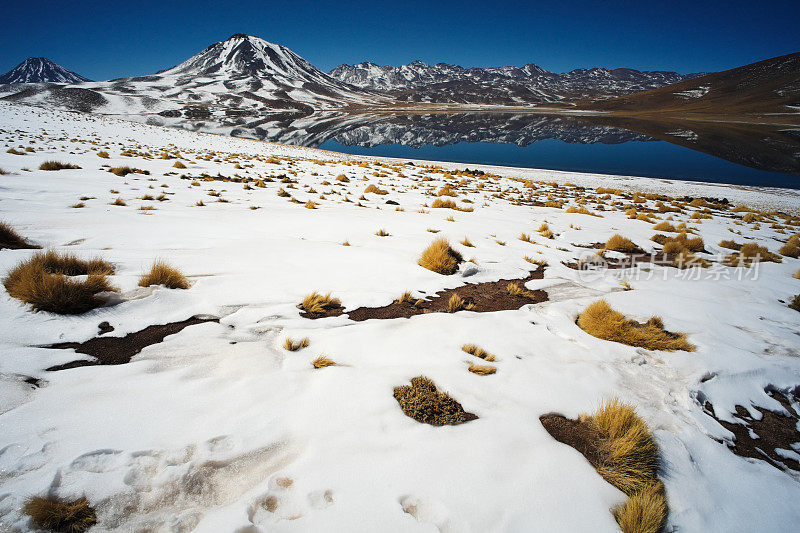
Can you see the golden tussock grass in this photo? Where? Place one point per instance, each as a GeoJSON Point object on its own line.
{"type": "Point", "coordinates": [310, 205]}
{"type": "Point", "coordinates": [618, 243]}
{"type": "Point", "coordinates": [293, 346]}
{"type": "Point", "coordinates": [103, 155]}
{"type": "Point", "coordinates": [424, 403]}
{"type": "Point", "coordinates": [796, 275]}
{"type": "Point", "coordinates": [56, 165]}
{"type": "Point", "coordinates": [319, 303]}
{"type": "Point", "coordinates": [466, 242]}
{"type": "Point", "coordinates": [457, 303]}
{"type": "Point", "coordinates": [45, 282]}
{"type": "Point", "coordinates": [163, 274]}
{"type": "Point", "coordinates": [581, 211]}
{"type": "Point", "coordinates": [751, 253]}
{"type": "Point", "coordinates": [524, 237]}
{"type": "Point", "coordinates": [9, 238]}
{"type": "Point", "coordinates": [342, 178]}
{"type": "Point", "coordinates": [629, 454]}
{"type": "Point", "coordinates": [477, 351]}
{"type": "Point", "coordinates": [544, 231]}
{"type": "Point", "coordinates": [514, 289]}
{"type": "Point", "coordinates": [375, 190]}
{"type": "Point", "coordinates": [74, 516]}
{"type": "Point", "coordinates": [538, 262]}
{"type": "Point", "coordinates": [645, 511]}
{"type": "Point", "coordinates": [601, 321]}
{"type": "Point", "coordinates": [686, 259]}
{"type": "Point", "coordinates": [14, 151]}
{"type": "Point", "coordinates": [382, 233]}
{"type": "Point", "coordinates": [792, 247]}
{"type": "Point", "coordinates": [405, 298]}
{"type": "Point", "coordinates": [664, 226]}
{"type": "Point", "coordinates": [730, 245]}
{"type": "Point", "coordinates": [118, 201]}
{"type": "Point", "coordinates": [449, 204]}
{"type": "Point", "coordinates": [78, 205]}
{"type": "Point", "coordinates": [680, 243]}
{"type": "Point", "coordinates": [322, 362]}
{"type": "Point", "coordinates": [482, 370]}
{"type": "Point", "coordinates": [439, 257]}
{"type": "Point", "coordinates": [179, 164]}
{"type": "Point", "coordinates": [124, 171]}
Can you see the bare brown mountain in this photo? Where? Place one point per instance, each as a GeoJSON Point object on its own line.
{"type": "Point", "coordinates": [768, 87]}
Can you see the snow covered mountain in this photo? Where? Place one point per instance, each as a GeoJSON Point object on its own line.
{"type": "Point", "coordinates": [444, 83]}
{"type": "Point", "coordinates": [230, 84]}
{"type": "Point", "coordinates": [40, 70]}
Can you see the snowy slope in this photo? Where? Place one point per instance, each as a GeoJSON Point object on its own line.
{"type": "Point", "coordinates": [218, 428]}
{"type": "Point", "coordinates": [40, 70]}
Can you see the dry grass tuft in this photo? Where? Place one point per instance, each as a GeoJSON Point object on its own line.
{"type": "Point", "coordinates": [405, 298]}
{"type": "Point", "coordinates": [751, 253]}
{"type": "Point", "coordinates": [644, 512]}
{"type": "Point", "coordinates": [600, 321]}
{"type": "Point", "coordinates": [514, 289]}
{"type": "Point", "coordinates": [629, 455]}
{"type": "Point", "coordinates": [10, 239]}
{"type": "Point", "coordinates": [375, 190]}
{"type": "Point", "coordinates": [178, 164]}
{"type": "Point", "coordinates": [382, 233]}
{"type": "Point", "coordinates": [681, 243]}
{"type": "Point", "coordinates": [322, 362]}
{"type": "Point", "coordinates": [541, 263]}
{"type": "Point", "coordinates": [293, 346]}
{"type": "Point", "coordinates": [457, 303]}
{"type": "Point", "coordinates": [45, 282]}
{"type": "Point", "coordinates": [730, 245]}
{"type": "Point", "coordinates": [102, 155]}
{"type": "Point", "coordinates": [163, 274]}
{"type": "Point", "coordinates": [466, 242]}
{"type": "Point", "coordinates": [618, 243]}
{"type": "Point", "coordinates": [124, 171]}
{"type": "Point", "coordinates": [483, 370]}
{"type": "Point", "coordinates": [118, 201]}
{"type": "Point", "coordinates": [795, 303]}
{"type": "Point", "coordinates": [317, 303]}
{"type": "Point", "coordinates": [56, 165]}
{"type": "Point", "coordinates": [424, 403]}
{"type": "Point", "coordinates": [664, 226]}
{"type": "Point", "coordinates": [544, 231]}
{"type": "Point", "coordinates": [524, 237]}
{"type": "Point", "coordinates": [477, 351]}
{"type": "Point", "coordinates": [440, 257]}
{"type": "Point", "coordinates": [75, 516]}
{"type": "Point", "coordinates": [792, 247]}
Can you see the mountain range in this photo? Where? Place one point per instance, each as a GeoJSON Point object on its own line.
{"type": "Point", "coordinates": [246, 86]}
{"type": "Point", "coordinates": [530, 84]}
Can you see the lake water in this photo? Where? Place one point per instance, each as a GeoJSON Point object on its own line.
{"type": "Point", "coordinates": [736, 154]}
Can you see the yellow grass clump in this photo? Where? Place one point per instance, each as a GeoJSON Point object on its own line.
{"type": "Point", "coordinates": [375, 190]}
{"type": "Point", "coordinates": [74, 516]}
{"type": "Point", "coordinates": [440, 257]}
{"type": "Point", "coordinates": [544, 231]}
{"type": "Point", "coordinates": [665, 226]}
{"type": "Point", "coordinates": [457, 303]}
{"type": "Point", "coordinates": [477, 351]}
{"type": "Point", "coordinates": [103, 155]}
{"type": "Point", "coordinates": [645, 511]}
{"type": "Point", "coordinates": [45, 281]}
{"type": "Point", "coordinates": [541, 263]}
{"type": "Point", "coordinates": [292, 345]}
{"type": "Point", "coordinates": [680, 243]}
{"type": "Point", "coordinates": [322, 362]}
{"type": "Point", "coordinates": [9, 238]}
{"type": "Point", "coordinates": [466, 242]}
{"type": "Point", "coordinates": [514, 289]}
{"type": "Point", "coordinates": [751, 253]}
{"type": "Point", "coordinates": [56, 165]}
{"type": "Point", "coordinates": [618, 243]}
{"type": "Point", "coordinates": [792, 247]}
{"type": "Point", "coordinates": [163, 274]}
{"type": "Point", "coordinates": [482, 370]}
{"type": "Point", "coordinates": [601, 321]}
{"type": "Point", "coordinates": [179, 164]}
{"type": "Point", "coordinates": [124, 171]}
{"type": "Point", "coordinates": [319, 303]}
{"type": "Point", "coordinates": [382, 233]}
{"type": "Point", "coordinates": [424, 403]}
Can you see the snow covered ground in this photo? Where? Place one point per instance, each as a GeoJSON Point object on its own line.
{"type": "Point", "coordinates": [218, 428]}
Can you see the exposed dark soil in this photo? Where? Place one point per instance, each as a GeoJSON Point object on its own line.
{"type": "Point", "coordinates": [120, 350]}
{"type": "Point", "coordinates": [774, 430]}
{"type": "Point", "coordinates": [486, 297]}
{"type": "Point", "coordinates": [574, 433]}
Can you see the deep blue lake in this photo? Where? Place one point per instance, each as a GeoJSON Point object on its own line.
{"type": "Point", "coordinates": [725, 154]}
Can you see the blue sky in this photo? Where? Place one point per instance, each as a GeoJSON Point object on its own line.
{"type": "Point", "coordinates": [105, 39]}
